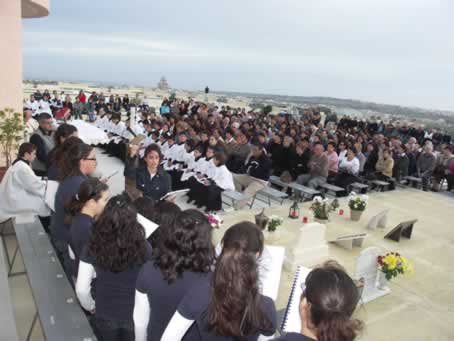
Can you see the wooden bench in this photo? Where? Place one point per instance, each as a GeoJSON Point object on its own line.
{"type": "Point", "coordinates": [414, 181]}
{"type": "Point", "coordinates": [331, 189]}
{"type": "Point", "coordinates": [269, 193]}
{"type": "Point", "coordinates": [7, 320]}
{"type": "Point", "coordinates": [379, 185]}
{"type": "Point", "coordinates": [359, 187]}
{"type": "Point", "coordinates": [56, 304]}
{"type": "Point", "coordinates": [234, 196]}
{"type": "Point", "coordinates": [304, 191]}
{"type": "Point", "coordinates": [276, 181]}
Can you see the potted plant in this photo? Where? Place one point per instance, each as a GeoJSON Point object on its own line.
{"type": "Point", "coordinates": [390, 266]}
{"type": "Point", "coordinates": [11, 133]}
{"type": "Point", "coordinates": [321, 209]}
{"type": "Point", "coordinates": [357, 204]}
{"type": "Point", "coordinates": [274, 223]}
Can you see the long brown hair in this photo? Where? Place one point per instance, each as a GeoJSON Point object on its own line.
{"type": "Point", "coordinates": [332, 297]}
{"type": "Point", "coordinates": [235, 307]}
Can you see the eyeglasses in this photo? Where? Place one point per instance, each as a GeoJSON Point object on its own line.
{"type": "Point", "coordinates": [90, 159]}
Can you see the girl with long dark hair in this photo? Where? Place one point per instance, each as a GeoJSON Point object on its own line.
{"type": "Point", "coordinates": [327, 304]}
{"type": "Point", "coordinates": [80, 162]}
{"type": "Point", "coordinates": [115, 252]}
{"type": "Point", "coordinates": [84, 209]}
{"type": "Point", "coordinates": [58, 157]}
{"type": "Point", "coordinates": [231, 306]}
{"type": "Point", "coordinates": [182, 261]}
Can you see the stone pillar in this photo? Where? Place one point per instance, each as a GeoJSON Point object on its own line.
{"type": "Point", "coordinates": [11, 54]}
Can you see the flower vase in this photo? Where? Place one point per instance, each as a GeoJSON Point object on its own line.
{"type": "Point", "coordinates": [271, 236]}
{"type": "Point", "coordinates": [382, 282]}
{"type": "Point", "coordinates": [355, 215]}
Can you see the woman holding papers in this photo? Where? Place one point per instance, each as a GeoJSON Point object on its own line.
{"type": "Point", "coordinates": [182, 261]}
{"type": "Point", "coordinates": [114, 254]}
{"type": "Point", "coordinates": [80, 162]}
{"type": "Point", "coordinates": [21, 191]}
{"type": "Point", "coordinates": [83, 209]}
{"type": "Point", "coordinates": [151, 179]}
{"type": "Point", "coordinates": [328, 301]}
{"type": "Point", "coordinates": [230, 306]}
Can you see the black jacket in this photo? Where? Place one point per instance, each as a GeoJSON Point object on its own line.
{"type": "Point", "coordinates": [156, 187]}
{"type": "Point", "coordinates": [298, 163]}
{"type": "Point", "coordinates": [259, 168]}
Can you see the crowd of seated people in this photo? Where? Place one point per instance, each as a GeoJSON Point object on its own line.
{"type": "Point", "coordinates": [170, 285]}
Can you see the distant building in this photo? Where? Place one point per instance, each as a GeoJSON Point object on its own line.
{"type": "Point", "coordinates": [163, 85]}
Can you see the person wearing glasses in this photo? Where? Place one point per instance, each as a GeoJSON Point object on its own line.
{"type": "Point", "coordinates": [79, 163]}
{"type": "Point", "coordinates": [329, 299]}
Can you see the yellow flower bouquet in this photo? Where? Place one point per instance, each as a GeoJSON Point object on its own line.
{"type": "Point", "coordinates": [393, 264]}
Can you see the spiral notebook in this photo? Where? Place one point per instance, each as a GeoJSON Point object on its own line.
{"type": "Point", "coordinates": [292, 320]}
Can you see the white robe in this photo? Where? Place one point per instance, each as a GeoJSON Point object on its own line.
{"type": "Point", "coordinates": [22, 193]}
{"type": "Point", "coordinates": [223, 178]}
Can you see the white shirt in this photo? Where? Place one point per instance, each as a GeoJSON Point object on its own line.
{"type": "Point", "coordinates": [223, 178]}
{"type": "Point", "coordinates": [22, 193]}
{"type": "Point", "coordinates": [44, 106]}
{"type": "Point", "coordinates": [33, 106]}
{"type": "Point", "coordinates": [350, 166]}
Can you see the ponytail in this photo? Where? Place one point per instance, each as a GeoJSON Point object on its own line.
{"type": "Point", "coordinates": [235, 308]}
{"type": "Point", "coordinates": [339, 327]}
{"type": "Point", "coordinates": [332, 297]}
{"type": "Point", "coordinates": [91, 188]}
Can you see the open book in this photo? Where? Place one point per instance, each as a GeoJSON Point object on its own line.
{"type": "Point", "coordinates": [147, 224]}
{"type": "Point", "coordinates": [292, 320]}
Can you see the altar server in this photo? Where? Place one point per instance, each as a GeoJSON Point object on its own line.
{"type": "Point", "coordinates": [21, 191]}
{"type": "Point", "coordinates": [209, 194]}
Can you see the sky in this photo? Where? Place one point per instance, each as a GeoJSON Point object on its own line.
{"type": "Point", "coordinates": [386, 51]}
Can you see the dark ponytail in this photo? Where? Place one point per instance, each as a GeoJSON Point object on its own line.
{"type": "Point", "coordinates": [89, 189]}
{"type": "Point", "coordinates": [235, 308]}
{"type": "Point", "coordinates": [332, 297]}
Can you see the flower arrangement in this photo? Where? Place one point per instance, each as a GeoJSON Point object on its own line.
{"type": "Point", "coordinates": [214, 220]}
{"type": "Point", "coordinates": [393, 264]}
{"type": "Point", "coordinates": [274, 223]}
{"type": "Point", "coordinates": [320, 208]}
{"type": "Point", "coordinates": [357, 202]}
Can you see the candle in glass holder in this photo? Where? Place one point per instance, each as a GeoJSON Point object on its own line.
{"type": "Point", "coordinates": [341, 212]}
{"type": "Point", "coordinates": [305, 220]}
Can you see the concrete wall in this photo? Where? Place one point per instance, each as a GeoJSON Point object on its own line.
{"type": "Point", "coordinates": [11, 55]}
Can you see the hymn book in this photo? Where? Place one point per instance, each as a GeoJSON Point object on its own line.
{"type": "Point", "coordinates": [291, 323]}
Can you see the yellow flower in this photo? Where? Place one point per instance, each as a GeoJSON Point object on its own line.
{"type": "Point", "coordinates": [406, 266]}
{"type": "Point", "coordinates": [390, 261]}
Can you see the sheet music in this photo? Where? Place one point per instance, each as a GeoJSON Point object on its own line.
{"type": "Point", "coordinates": [49, 195]}
{"type": "Point", "coordinates": [292, 319]}
{"type": "Point", "coordinates": [270, 269]}
{"type": "Point", "coordinates": [147, 224]}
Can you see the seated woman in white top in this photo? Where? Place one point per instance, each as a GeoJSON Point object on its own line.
{"type": "Point", "coordinates": [209, 194]}
{"type": "Point", "coordinates": [21, 191]}
{"type": "Point", "coordinates": [348, 171]}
